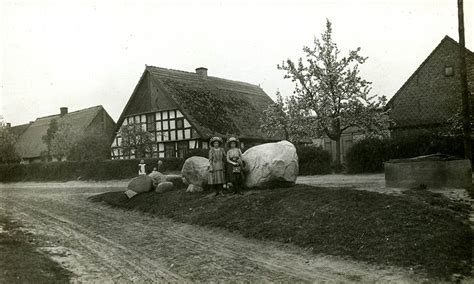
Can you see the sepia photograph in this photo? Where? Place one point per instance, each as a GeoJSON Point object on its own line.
{"type": "Point", "coordinates": [236, 141]}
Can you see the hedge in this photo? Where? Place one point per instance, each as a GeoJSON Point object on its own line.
{"type": "Point", "coordinates": [313, 160]}
{"type": "Point", "coordinates": [368, 155]}
{"type": "Point", "coordinates": [83, 170]}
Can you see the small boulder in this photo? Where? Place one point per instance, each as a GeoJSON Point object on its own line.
{"type": "Point", "coordinates": [141, 184]}
{"type": "Point", "coordinates": [157, 177]}
{"type": "Point", "coordinates": [195, 170]}
{"type": "Point", "coordinates": [164, 186]}
{"type": "Point", "coordinates": [177, 180]}
{"type": "Point", "coordinates": [271, 165]}
{"type": "Point", "coordinates": [194, 188]}
{"type": "Point", "coordinates": [130, 193]}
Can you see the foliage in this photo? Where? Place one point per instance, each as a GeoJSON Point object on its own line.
{"type": "Point", "coordinates": [8, 152]}
{"type": "Point", "coordinates": [93, 145]}
{"type": "Point", "coordinates": [197, 152]}
{"type": "Point", "coordinates": [83, 170]}
{"type": "Point", "coordinates": [425, 232]}
{"type": "Point", "coordinates": [313, 160]}
{"type": "Point", "coordinates": [369, 154]}
{"type": "Point", "coordinates": [285, 119]}
{"type": "Point", "coordinates": [136, 140]}
{"type": "Point", "coordinates": [62, 141]}
{"type": "Point", "coordinates": [332, 90]}
{"type": "Point", "coordinates": [49, 136]}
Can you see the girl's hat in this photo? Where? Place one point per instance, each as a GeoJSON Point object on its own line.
{"type": "Point", "coordinates": [233, 139]}
{"type": "Point", "coordinates": [214, 139]}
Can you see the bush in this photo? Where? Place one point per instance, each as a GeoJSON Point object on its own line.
{"type": "Point", "coordinates": [313, 160]}
{"type": "Point", "coordinates": [368, 155]}
{"type": "Point", "coordinates": [83, 170]}
{"type": "Point", "coordinates": [198, 152]}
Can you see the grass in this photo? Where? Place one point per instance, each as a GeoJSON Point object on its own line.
{"type": "Point", "coordinates": [20, 262]}
{"type": "Point", "coordinates": [419, 229]}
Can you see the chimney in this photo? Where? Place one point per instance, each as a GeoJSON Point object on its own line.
{"type": "Point", "coordinates": [202, 72]}
{"type": "Point", "coordinates": [63, 110]}
{"type": "Point", "coordinates": [9, 125]}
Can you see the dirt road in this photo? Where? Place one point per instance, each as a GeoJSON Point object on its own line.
{"type": "Point", "coordinates": [102, 244]}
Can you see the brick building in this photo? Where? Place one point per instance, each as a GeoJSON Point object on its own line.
{"type": "Point", "coordinates": [183, 110]}
{"type": "Point", "coordinates": [431, 95]}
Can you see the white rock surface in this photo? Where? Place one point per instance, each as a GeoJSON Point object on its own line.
{"type": "Point", "coordinates": [271, 164]}
{"type": "Point", "coordinates": [164, 186]}
{"type": "Point", "coordinates": [195, 170]}
{"type": "Point", "coordinates": [194, 188]}
{"type": "Point", "coordinates": [130, 193]}
{"type": "Point", "coordinates": [141, 184]}
{"type": "Point", "coordinates": [157, 177]}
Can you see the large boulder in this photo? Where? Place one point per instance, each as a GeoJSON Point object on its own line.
{"type": "Point", "coordinates": [164, 186]}
{"type": "Point", "coordinates": [177, 180]}
{"type": "Point", "coordinates": [195, 170]}
{"type": "Point", "coordinates": [157, 177]}
{"type": "Point", "coordinates": [141, 184]}
{"type": "Point", "coordinates": [194, 188]}
{"type": "Point", "coordinates": [271, 165]}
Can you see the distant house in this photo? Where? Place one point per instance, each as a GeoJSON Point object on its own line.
{"type": "Point", "coordinates": [183, 110]}
{"type": "Point", "coordinates": [30, 145]}
{"type": "Point", "coordinates": [431, 95]}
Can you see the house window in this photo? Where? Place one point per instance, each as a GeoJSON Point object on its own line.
{"type": "Point", "coordinates": [448, 71]}
{"type": "Point", "coordinates": [180, 123]}
{"type": "Point", "coordinates": [170, 151]}
{"type": "Point", "coordinates": [182, 149]}
{"type": "Point", "coordinates": [150, 122]}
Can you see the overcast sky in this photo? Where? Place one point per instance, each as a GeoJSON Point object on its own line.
{"type": "Point", "coordinates": [85, 53]}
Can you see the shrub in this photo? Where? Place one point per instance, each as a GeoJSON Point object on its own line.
{"type": "Point", "coordinates": [83, 170]}
{"type": "Point", "coordinates": [313, 160]}
{"type": "Point", "coordinates": [367, 156]}
{"type": "Point", "coordinates": [198, 152]}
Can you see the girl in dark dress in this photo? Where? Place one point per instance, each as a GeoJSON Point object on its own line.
{"type": "Point", "coordinates": [234, 164]}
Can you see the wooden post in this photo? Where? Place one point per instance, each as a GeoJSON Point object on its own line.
{"type": "Point", "coordinates": [466, 109]}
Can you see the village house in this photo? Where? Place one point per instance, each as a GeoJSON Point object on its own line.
{"type": "Point", "coordinates": [30, 145]}
{"type": "Point", "coordinates": [183, 110]}
{"type": "Point", "coordinates": [431, 95]}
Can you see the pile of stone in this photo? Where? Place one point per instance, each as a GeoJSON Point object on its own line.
{"type": "Point", "coordinates": [154, 181]}
{"type": "Point", "coordinates": [266, 166]}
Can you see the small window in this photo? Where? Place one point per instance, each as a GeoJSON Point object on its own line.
{"type": "Point", "coordinates": [187, 133]}
{"type": "Point", "coordinates": [186, 124]}
{"type": "Point", "coordinates": [180, 135]}
{"type": "Point", "coordinates": [448, 71]}
{"type": "Point", "coordinates": [180, 123]}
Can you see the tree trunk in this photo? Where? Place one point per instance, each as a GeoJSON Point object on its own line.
{"type": "Point", "coordinates": [338, 151]}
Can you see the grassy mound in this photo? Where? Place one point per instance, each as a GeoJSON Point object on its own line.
{"type": "Point", "coordinates": [418, 229]}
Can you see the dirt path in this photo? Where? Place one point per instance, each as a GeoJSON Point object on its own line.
{"type": "Point", "coordinates": [102, 244]}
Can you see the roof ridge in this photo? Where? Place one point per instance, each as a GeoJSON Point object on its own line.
{"type": "Point", "coordinates": [58, 114]}
{"type": "Point", "coordinates": [242, 83]}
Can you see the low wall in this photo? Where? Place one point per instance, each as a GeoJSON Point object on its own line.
{"type": "Point", "coordinates": [432, 174]}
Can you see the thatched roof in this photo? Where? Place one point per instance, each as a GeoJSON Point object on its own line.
{"type": "Point", "coordinates": [18, 130]}
{"type": "Point", "coordinates": [31, 145]}
{"type": "Point", "coordinates": [214, 106]}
